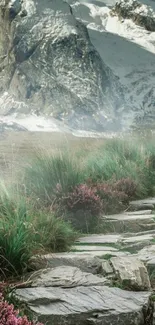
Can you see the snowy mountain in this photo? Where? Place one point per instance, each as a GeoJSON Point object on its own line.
{"type": "Point", "coordinates": [129, 50]}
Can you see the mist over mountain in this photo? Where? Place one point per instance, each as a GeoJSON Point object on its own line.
{"type": "Point", "coordinates": [86, 65]}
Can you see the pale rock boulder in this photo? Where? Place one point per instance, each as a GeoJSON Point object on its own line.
{"type": "Point", "coordinates": [131, 273]}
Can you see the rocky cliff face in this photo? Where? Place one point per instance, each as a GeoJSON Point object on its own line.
{"type": "Point", "coordinates": [56, 59]}
{"type": "Point", "coordinates": [48, 63]}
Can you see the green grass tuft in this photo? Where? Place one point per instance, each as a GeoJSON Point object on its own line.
{"type": "Point", "coordinates": [25, 231]}
{"type": "Point", "coordinates": [54, 233]}
{"type": "Point", "coordinates": [47, 172]}
{"type": "Point", "coordinates": [16, 236]}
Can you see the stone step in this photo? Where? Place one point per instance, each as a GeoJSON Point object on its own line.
{"type": "Point", "coordinates": [100, 239]}
{"type": "Point", "coordinates": [87, 261]}
{"type": "Point", "coordinates": [130, 216]}
{"type": "Point", "coordinates": [141, 212]}
{"type": "Point", "coordinates": [91, 304]}
{"type": "Point", "coordinates": [82, 248]}
{"type": "Point", "coordinates": [114, 240]}
{"type": "Point", "coordinates": [138, 238]}
{"type": "Point", "coordinates": [148, 203]}
{"type": "Point", "coordinates": [128, 222]}
{"type": "Point", "coordinates": [150, 232]}
{"type": "Point", "coordinates": [99, 251]}
{"type": "Point", "coordinates": [126, 242]}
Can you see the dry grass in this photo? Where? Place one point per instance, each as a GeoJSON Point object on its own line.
{"type": "Point", "coordinates": [16, 148]}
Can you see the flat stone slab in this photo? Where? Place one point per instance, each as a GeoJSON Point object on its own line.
{"type": "Point", "coordinates": [65, 277]}
{"type": "Point", "coordinates": [86, 305]}
{"type": "Point", "coordinates": [143, 204]}
{"type": "Point", "coordinates": [150, 200]}
{"type": "Point", "coordinates": [91, 240]}
{"type": "Point", "coordinates": [129, 222]}
{"type": "Point", "coordinates": [141, 238]}
{"type": "Point", "coordinates": [88, 261]}
{"type": "Point", "coordinates": [101, 253]}
{"type": "Point", "coordinates": [84, 261]}
{"type": "Point", "coordinates": [128, 217]}
{"type": "Point", "coordinates": [93, 248]}
{"type": "Point", "coordinates": [143, 212]}
{"type": "Point", "coordinates": [100, 239]}
{"type": "Point", "coordinates": [147, 232]}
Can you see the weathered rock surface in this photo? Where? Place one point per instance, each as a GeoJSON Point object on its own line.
{"type": "Point", "coordinates": [49, 65]}
{"type": "Point", "coordinates": [91, 305]}
{"type": "Point", "coordinates": [131, 272]}
{"type": "Point", "coordinates": [65, 277]}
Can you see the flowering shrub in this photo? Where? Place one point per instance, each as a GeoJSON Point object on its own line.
{"type": "Point", "coordinates": [87, 202]}
{"type": "Point", "coordinates": [83, 198]}
{"type": "Point", "coordinates": [127, 186]}
{"type": "Point", "coordinates": [83, 207]}
{"type": "Point", "coordinates": [113, 200]}
{"type": "Point", "coordinates": [10, 316]}
{"type": "Point", "coordinates": [2, 288]}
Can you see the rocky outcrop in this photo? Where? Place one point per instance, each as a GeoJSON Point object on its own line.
{"type": "Point", "coordinates": [140, 14]}
{"type": "Point", "coordinates": [50, 67]}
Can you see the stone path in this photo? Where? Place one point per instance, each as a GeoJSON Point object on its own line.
{"type": "Point", "coordinates": [75, 288]}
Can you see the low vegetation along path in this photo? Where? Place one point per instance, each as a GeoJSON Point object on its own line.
{"type": "Point", "coordinates": [104, 279]}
